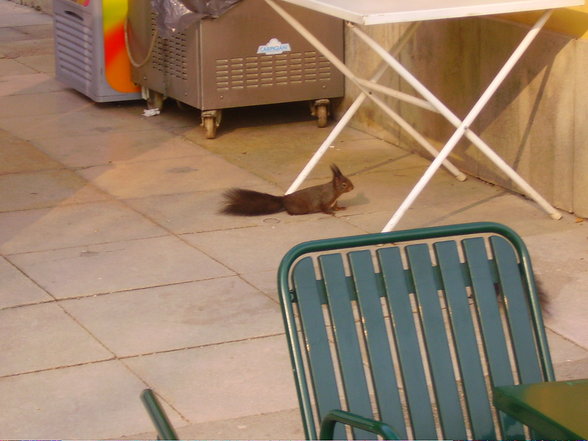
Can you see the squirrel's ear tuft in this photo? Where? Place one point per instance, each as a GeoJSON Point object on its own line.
{"type": "Point", "coordinates": [335, 170]}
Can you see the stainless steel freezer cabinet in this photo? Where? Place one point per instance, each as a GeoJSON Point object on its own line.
{"type": "Point", "coordinates": [248, 56]}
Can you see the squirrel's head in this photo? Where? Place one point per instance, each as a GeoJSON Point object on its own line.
{"type": "Point", "coordinates": [342, 183]}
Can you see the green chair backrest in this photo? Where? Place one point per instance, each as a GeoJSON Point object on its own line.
{"type": "Point", "coordinates": [414, 328]}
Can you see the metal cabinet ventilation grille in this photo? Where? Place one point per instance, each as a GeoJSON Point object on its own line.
{"type": "Point", "coordinates": [272, 70]}
{"type": "Point", "coordinates": [75, 46]}
{"type": "Point", "coordinates": [169, 54]}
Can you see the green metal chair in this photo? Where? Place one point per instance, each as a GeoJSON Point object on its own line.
{"type": "Point", "coordinates": [404, 334]}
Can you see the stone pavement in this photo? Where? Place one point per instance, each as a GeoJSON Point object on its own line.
{"type": "Point", "coordinates": [118, 274]}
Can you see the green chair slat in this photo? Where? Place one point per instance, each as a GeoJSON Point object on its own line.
{"type": "Point", "coordinates": [466, 346]}
{"type": "Point", "coordinates": [346, 339]}
{"type": "Point", "coordinates": [322, 372]}
{"type": "Point", "coordinates": [486, 302]}
{"type": "Point", "coordinates": [437, 343]}
{"type": "Point", "coordinates": [517, 307]}
{"type": "Point", "coordinates": [406, 340]}
{"type": "Point", "coordinates": [376, 339]}
{"type": "Point", "coordinates": [495, 343]}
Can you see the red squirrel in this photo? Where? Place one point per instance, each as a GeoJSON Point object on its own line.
{"type": "Point", "coordinates": [323, 197]}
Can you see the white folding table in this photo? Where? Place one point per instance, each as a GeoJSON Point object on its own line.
{"type": "Point", "coordinates": [378, 12]}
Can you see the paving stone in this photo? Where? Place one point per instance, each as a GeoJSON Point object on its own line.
{"type": "Point", "coordinates": [178, 316]}
{"type": "Point", "coordinates": [71, 226]}
{"type": "Point", "coordinates": [32, 83]}
{"type": "Point", "coordinates": [30, 105]}
{"type": "Point", "coordinates": [166, 176]}
{"type": "Point", "coordinates": [17, 289]}
{"type": "Point", "coordinates": [261, 248]}
{"type": "Point", "coordinates": [18, 155]}
{"type": "Point", "coordinates": [93, 401]}
{"type": "Point", "coordinates": [222, 381]}
{"type": "Point", "coordinates": [40, 337]}
{"type": "Point", "coordinates": [118, 266]}
{"type": "Point", "coordinates": [45, 189]}
{"type": "Point", "coordinates": [86, 150]}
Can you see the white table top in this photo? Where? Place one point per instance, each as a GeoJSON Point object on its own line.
{"type": "Point", "coordinates": [371, 12]}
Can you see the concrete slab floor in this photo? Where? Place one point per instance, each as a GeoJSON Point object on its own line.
{"type": "Point", "coordinates": [118, 273]}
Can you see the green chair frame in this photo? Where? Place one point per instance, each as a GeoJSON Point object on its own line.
{"type": "Point", "coordinates": [404, 334]}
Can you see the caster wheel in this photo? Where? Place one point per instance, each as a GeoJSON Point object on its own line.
{"type": "Point", "coordinates": [210, 126]}
{"type": "Point", "coordinates": [155, 100]}
{"type": "Point", "coordinates": [322, 115]}
{"type": "Point", "coordinates": [210, 121]}
{"type": "Point", "coordinates": [320, 110]}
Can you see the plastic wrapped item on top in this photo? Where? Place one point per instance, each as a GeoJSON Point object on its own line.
{"type": "Point", "coordinates": [177, 15]}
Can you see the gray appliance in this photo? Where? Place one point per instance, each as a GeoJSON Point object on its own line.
{"type": "Point", "coordinates": [247, 56]}
{"type": "Point", "coordinates": [80, 51]}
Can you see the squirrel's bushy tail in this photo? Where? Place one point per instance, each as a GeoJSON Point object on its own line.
{"type": "Point", "coordinates": [241, 202]}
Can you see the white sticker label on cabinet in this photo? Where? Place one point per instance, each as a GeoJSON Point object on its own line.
{"type": "Point", "coordinates": [274, 47]}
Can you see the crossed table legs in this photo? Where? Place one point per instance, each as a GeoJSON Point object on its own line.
{"type": "Point", "coordinates": [430, 102]}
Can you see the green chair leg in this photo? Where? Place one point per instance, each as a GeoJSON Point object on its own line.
{"type": "Point", "coordinates": [164, 428]}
